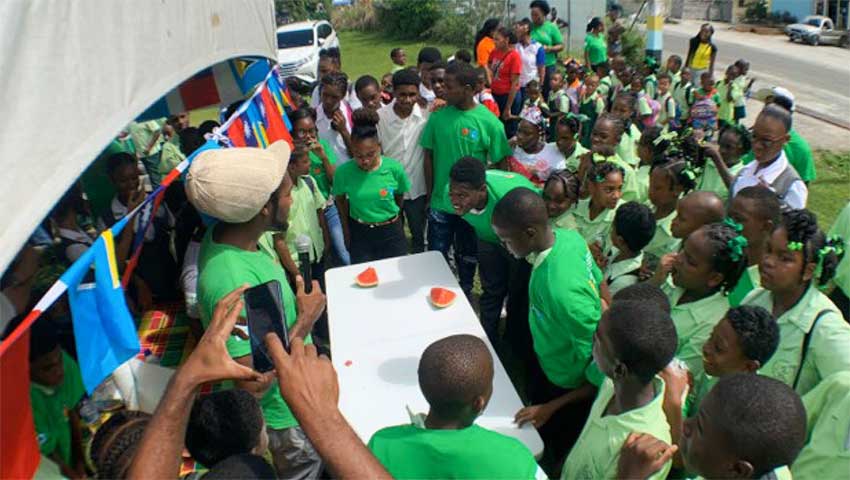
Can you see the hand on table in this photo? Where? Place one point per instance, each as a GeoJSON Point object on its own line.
{"type": "Point", "coordinates": [537, 415]}
{"type": "Point", "coordinates": [642, 455]}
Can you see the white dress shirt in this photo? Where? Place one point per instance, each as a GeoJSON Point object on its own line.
{"type": "Point", "coordinates": [749, 177]}
{"type": "Point", "coordinates": [328, 134]}
{"type": "Point", "coordinates": [400, 141]}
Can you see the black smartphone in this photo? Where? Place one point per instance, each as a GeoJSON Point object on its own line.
{"type": "Point", "coordinates": [264, 308]}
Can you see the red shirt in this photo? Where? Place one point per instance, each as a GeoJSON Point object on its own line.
{"type": "Point", "coordinates": [504, 65]}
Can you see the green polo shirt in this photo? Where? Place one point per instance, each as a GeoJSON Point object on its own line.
{"type": "Point", "coordinates": [597, 450]}
{"type": "Point", "coordinates": [841, 227]}
{"type": "Point", "coordinates": [371, 195]}
{"type": "Point", "coordinates": [703, 383]}
{"type": "Point", "coordinates": [573, 161]}
{"type": "Point", "coordinates": [304, 219]}
{"type": "Point", "coordinates": [566, 220]}
{"type": "Point", "coordinates": [598, 229]}
{"type": "Point", "coordinates": [726, 107]}
{"type": "Point", "coordinates": [452, 133]}
{"type": "Point", "coordinates": [829, 347]}
{"type": "Point", "coordinates": [620, 275]}
{"type": "Point", "coordinates": [694, 322]}
{"type": "Point", "coordinates": [222, 269]}
{"type": "Point", "coordinates": [780, 473]}
{"type": "Point", "coordinates": [663, 242]}
{"type": "Point", "coordinates": [627, 149]}
{"type": "Point", "coordinates": [547, 35]}
{"type": "Point", "coordinates": [596, 47]}
{"type": "Point", "coordinates": [642, 175]}
{"type": "Point", "coordinates": [564, 308]}
{"type": "Point", "coordinates": [499, 183]}
{"type": "Point", "coordinates": [750, 280]}
{"type": "Point", "coordinates": [799, 155]}
{"type": "Point", "coordinates": [51, 407]}
{"type": "Point", "coordinates": [826, 453]}
{"type": "Point", "coordinates": [317, 168]}
{"type": "Point", "coordinates": [711, 181]}
{"type": "Point", "coordinates": [411, 452]}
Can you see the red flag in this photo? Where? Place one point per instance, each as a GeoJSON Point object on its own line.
{"type": "Point", "coordinates": [275, 128]}
{"type": "Point", "coordinates": [19, 455]}
{"type": "Point", "coordinates": [236, 133]}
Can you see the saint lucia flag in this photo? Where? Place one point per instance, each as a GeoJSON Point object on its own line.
{"type": "Point", "coordinates": [104, 330]}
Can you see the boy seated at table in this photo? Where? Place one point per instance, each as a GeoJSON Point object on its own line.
{"type": "Point", "coordinates": [632, 344]}
{"type": "Point", "coordinates": [55, 390]}
{"type": "Point", "coordinates": [456, 378]}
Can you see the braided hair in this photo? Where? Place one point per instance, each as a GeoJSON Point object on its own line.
{"type": "Point", "coordinates": [114, 444]}
{"type": "Point", "coordinates": [618, 124]}
{"type": "Point", "coordinates": [569, 182]}
{"type": "Point", "coordinates": [745, 138]}
{"type": "Point", "coordinates": [571, 122]}
{"type": "Point", "coordinates": [678, 169]}
{"type": "Point", "coordinates": [802, 227]}
{"type": "Point", "coordinates": [600, 170]}
{"type": "Point", "coordinates": [757, 330]}
{"type": "Point", "coordinates": [730, 254]}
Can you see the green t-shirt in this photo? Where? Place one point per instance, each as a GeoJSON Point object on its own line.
{"type": "Point", "coordinates": [50, 409]}
{"type": "Point", "coordinates": [499, 183]}
{"type": "Point", "coordinates": [304, 219]}
{"type": "Point", "coordinates": [799, 155]}
{"type": "Point", "coordinates": [663, 242]}
{"type": "Point", "coordinates": [841, 227]}
{"type": "Point", "coordinates": [408, 451]}
{"type": "Point", "coordinates": [829, 344]}
{"type": "Point", "coordinates": [547, 35]}
{"type": "Point", "coordinates": [564, 308]}
{"type": "Point", "coordinates": [452, 133]}
{"type": "Point", "coordinates": [371, 195]}
{"type": "Point", "coordinates": [223, 268]}
{"type": "Point", "coordinates": [750, 280]}
{"type": "Point", "coordinates": [596, 47]}
{"type": "Point", "coordinates": [597, 450]}
{"type": "Point", "coordinates": [694, 322]}
{"type": "Point", "coordinates": [826, 453]}
{"type": "Point", "coordinates": [317, 168]}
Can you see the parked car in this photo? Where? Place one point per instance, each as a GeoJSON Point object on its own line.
{"type": "Point", "coordinates": [817, 30]}
{"type": "Point", "coordinates": [298, 46]}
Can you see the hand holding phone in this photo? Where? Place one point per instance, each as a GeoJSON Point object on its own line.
{"type": "Point", "coordinates": [264, 308]}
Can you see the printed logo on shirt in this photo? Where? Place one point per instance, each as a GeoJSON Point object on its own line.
{"type": "Point", "coordinates": [317, 170]}
{"type": "Point", "coordinates": [384, 192]}
{"type": "Point", "coordinates": [470, 134]}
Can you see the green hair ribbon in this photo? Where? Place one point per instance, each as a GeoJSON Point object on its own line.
{"type": "Point", "coordinates": [669, 136]}
{"type": "Point", "coordinates": [736, 247]}
{"type": "Point", "coordinates": [795, 246]}
{"type": "Point", "coordinates": [834, 244]}
{"type": "Point", "coordinates": [729, 222]}
{"type": "Point", "coordinates": [580, 117]}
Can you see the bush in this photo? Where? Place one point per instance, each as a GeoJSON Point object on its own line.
{"type": "Point", "coordinates": [634, 46]}
{"type": "Point", "coordinates": [360, 17]}
{"type": "Point", "coordinates": [287, 11]}
{"type": "Point", "coordinates": [408, 19]}
{"type": "Point", "coordinates": [461, 19]}
{"type": "Point", "coordinates": [756, 12]}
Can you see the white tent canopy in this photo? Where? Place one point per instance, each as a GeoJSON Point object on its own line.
{"type": "Point", "coordinates": [73, 73]}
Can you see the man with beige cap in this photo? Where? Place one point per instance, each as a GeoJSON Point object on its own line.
{"type": "Point", "coordinates": [249, 192]}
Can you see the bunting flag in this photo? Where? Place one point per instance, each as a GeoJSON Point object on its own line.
{"type": "Point", "coordinates": [19, 455]}
{"type": "Point", "coordinates": [144, 222]}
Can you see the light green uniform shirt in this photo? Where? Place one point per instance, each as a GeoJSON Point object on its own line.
{"type": "Point", "coordinates": [574, 160]}
{"type": "Point", "coordinates": [620, 275]}
{"type": "Point", "coordinates": [597, 450]}
{"type": "Point", "coordinates": [304, 219]}
{"type": "Point", "coordinates": [643, 104]}
{"type": "Point", "coordinates": [702, 385]}
{"type": "Point", "coordinates": [317, 168]}
{"type": "Point", "coordinates": [826, 454]}
{"type": "Point", "coordinates": [684, 96]}
{"type": "Point", "coordinates": [750, 280]}
{"type": "Point", "coordinates": [171, 156]}
{"type": "Point", "coordinates": [143, 132]}
{"type": "Point", "coordinates": [566, 220]}
{"type": "Point", "coordinates": [564, 308]}
{"type": "Point", "coordinates": [711, 181]}
{"type": "Point", "coordinates": [668, 109]}
{"type": "Point", "coordinates": [642, 175]}
{"type": "Point", "coordinates": [650, 86]}
{"type": "Point", "coordinates": [627, 149]}
{"type": "Point", "coordinates": [841, 227]}
{"type": "Point", "coordinates": [663, 242]}
{"type": "Point", "coordinates": [605, 85]}
{"type": "Point", "coordinates": [412, 452]}
{"type": "Point", "coordinates": [371, 195]}
{"type": "Point", "coordinates": [222, 269]}
{"type": "Point", "coordinates": [51, 407]}
{"type": "Point", "coordinates": [829, 347]}
{"type": "Point", "coordinates": [547, 35]}
{"type": "Point", "coordinates": [726, 108]}
{"type": "Point", "coordinates": [498, 183]}
{"type": "Point", "coordinates": [694, 322]}
{"type": "Point", "coordinates": [781, 473]}
{"type": "Point", "coordinates": [598, 229]}
{"type": "Point", "coordinates": [451, 134]}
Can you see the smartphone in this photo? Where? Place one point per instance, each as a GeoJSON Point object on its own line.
{"type": "Point", "coordinates": [264, 308]}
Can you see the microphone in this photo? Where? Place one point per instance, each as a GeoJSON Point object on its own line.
{"type": "Point", "coordinates": [303, 244]}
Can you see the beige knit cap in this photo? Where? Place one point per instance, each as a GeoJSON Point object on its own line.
{"type": "Point", "coordinates": [233, 184]}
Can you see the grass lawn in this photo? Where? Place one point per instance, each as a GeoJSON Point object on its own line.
{"type": "Point", "coordinates": [369, 53]}
{"type": "Point", "coordinates": [831, 191]}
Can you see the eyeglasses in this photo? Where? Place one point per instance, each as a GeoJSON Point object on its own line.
{"type": "Point", "coordinates": [764, 142]}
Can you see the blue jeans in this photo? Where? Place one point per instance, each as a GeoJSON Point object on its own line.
{"type": "Point", "coordinates": [446, 231]}
{"type": "Point", "coordinates": [337, 237]}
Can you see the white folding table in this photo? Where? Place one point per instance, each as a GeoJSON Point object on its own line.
{"type": "Point", "coordinates": [378, 335]}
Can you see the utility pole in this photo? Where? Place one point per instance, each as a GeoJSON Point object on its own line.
{"type": "Point", "coordinates": [654, 28]}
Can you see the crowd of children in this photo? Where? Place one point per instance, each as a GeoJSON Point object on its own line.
{"type": "Point", "coordinates": [648, 260]}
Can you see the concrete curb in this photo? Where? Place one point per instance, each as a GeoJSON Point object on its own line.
{"type": "Point", "coordinates": [824, 117]}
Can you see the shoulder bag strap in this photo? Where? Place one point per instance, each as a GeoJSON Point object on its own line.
{"type": "Point", "coordinates": [806, 340]}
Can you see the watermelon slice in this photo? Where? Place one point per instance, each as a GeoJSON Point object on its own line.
{"type": "Point", "coordinates": [367, 278]}
{"type": "Point", "coordinates": [441, 297]}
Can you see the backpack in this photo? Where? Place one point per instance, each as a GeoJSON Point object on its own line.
{"type": "Point", "coordinates": [703, 114]}
{"type": "Point", "coordinates": [656, 109]}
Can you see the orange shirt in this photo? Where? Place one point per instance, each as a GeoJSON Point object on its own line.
{"type": "Point", "coordinates": [482, 52]}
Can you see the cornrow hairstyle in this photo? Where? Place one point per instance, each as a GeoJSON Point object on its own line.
{"type": "Point", "coordinates": [619, 125]}
{"type": "Point", "coordinates": [757, 330]}
{"type": "Point", "coordinates": [678, 170]}
{"type": "Point", "coordinates": [648, 138]}
{"type": "Point", "coordinates": [745, 139]}
{"type": "Point", "coordinates": [365, 124]}
{"type": "Point", "coordinates": [338, 80]}
{"type": "Point", "coordinates": [569, 182]}
{"type": "Point", "coordinates": [114, 443]}
{"type": "Point", "coordinates": [802, 226]}
{"type": "Point", "coordinates": [599, 171]}
{"type": "Point", "coordinates": [570, 122]}
{"type": "Point", "coordinates": [731, 264]}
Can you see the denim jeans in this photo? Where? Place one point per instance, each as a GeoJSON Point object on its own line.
{"type": "Point", "coordinates": [445, 231]}
{"type": "Point", "coordinates": [516, 109]}
{"type": "Point", "coordinates": [337, 237]}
